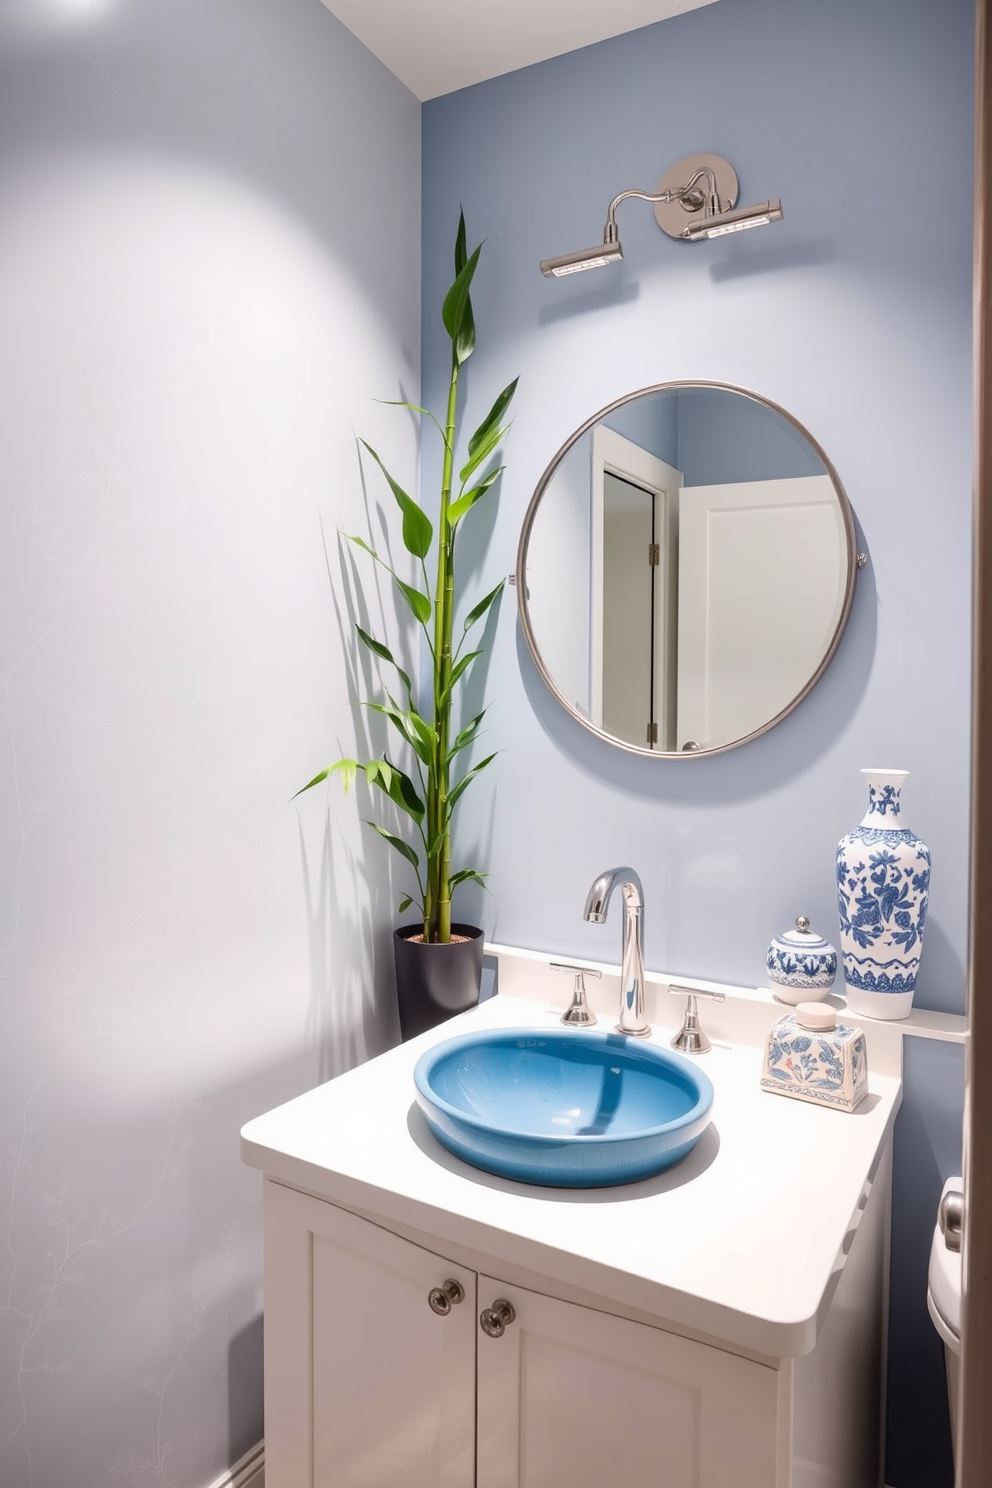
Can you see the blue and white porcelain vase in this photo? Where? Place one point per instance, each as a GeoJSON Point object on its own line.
{"type": "Point", "coordinates": [883, 884]}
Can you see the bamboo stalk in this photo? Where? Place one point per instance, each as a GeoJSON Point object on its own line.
{"type": "Point", "coordinates": [439, 866]}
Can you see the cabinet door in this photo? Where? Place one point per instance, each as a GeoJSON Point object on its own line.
{"type": "Point", "coordinates": [574, 1398]}
{"type": "Point", "coordinates": [366, 1386]}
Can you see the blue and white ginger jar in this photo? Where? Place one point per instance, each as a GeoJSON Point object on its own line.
{"type": "Point", "coordinates": [801, 964]}
{"type": "Point", "coordinates": [883, 885]}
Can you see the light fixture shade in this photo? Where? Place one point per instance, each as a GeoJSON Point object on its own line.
{"type": "Point", "coordinates": [730, 222]}
{"type": "Point", "coordinates": [582, 258]}
{"type": "Point", "coordinates": [696, 199]}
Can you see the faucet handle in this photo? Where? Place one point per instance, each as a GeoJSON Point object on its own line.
{"type": "Point", "coordinates": [678, 991]}
{"type": "Point", "coordinates": [690, 1038]}
{"type": "Point", "coordinates": [578, 1014]}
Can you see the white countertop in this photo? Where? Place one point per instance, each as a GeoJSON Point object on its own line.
{"type": "Point", "coordinates": [743, 1241]}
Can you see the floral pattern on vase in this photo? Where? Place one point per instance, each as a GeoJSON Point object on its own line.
{"type": "Point", "coordinates": [883, 887]}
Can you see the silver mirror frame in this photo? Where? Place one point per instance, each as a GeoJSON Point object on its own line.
{"type": "Point", "coordinates": [854, 562]}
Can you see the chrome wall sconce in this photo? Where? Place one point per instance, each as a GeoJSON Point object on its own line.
{"type": "Point", "coordinates": [696, 199]}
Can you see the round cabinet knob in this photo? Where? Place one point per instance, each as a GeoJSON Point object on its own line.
{"type": "Point", "coordinates": [496, 1319]}
{"type": "Point", "coordinates": [443, 1298]}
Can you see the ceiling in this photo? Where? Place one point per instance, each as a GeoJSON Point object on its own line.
{"type": "Point", "coordinates": [436, 46]}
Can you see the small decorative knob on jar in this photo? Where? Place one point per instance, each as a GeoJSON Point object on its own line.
{"type": "Point", "coordinates": [801, 964]}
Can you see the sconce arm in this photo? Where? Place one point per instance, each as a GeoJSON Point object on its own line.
{"type": "Point", "coordinates": [678, 193]}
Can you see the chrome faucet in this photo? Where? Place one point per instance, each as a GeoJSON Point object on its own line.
{"type": "Point", "coordinates": [632, 1020]}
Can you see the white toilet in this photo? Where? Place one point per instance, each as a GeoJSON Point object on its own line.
{"type": "Point", "coordinates": [944, 1297]}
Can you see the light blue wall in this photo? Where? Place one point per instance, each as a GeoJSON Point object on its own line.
{"type": "Point", "coordinates": [853, 313]}
{"type": "Point", "coordinates": [716, 437]}
{"type": "Point", "coordinates": [724, 438]}
{"type": "Point", "coordinates": [209, 269]}
{"type": "Point", "coordinates": [651, 422]}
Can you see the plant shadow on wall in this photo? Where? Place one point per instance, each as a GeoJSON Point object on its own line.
{"type": "Point", "coordinates": [344, 904]}
{"type": "Point", "coordinates": [764, 764]}
{"type": "Point", "coordinates": [438, 961]}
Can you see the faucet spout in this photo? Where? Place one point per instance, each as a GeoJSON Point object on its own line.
{"type": "Point", "coordinates": [632, 1020]}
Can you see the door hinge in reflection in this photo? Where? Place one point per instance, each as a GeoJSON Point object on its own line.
{"type": "Point", "coordinates": [654, 554]}
{"type": "Point", "coordinates": [652, 733]}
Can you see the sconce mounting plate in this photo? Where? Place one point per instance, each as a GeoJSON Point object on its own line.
{"type": "Point", "coordinates": [674, 217]}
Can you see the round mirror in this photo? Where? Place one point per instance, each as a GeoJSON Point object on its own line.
{"type": "Point", "coordinates": [686, 569]}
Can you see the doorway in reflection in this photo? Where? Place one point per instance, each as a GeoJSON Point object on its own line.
{"type": "Point", "coordinates": [689, 568]}
{"type": "Point", "coordinates": [631, 698]}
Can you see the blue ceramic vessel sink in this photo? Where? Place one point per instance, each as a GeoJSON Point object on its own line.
{"type": "Point", "coordinates": [573, 1109]}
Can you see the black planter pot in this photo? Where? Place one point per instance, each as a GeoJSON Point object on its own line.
{"type": "Point", "coordinates": [434, 982]}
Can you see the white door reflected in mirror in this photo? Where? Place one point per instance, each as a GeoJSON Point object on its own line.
{"type": "Point", "coordinates": [686, 569]}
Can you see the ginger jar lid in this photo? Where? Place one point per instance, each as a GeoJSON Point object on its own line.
{"type": "Point", "coordinates": [800, 961]}
{"type": "Point", "coordinates": [803, 938]}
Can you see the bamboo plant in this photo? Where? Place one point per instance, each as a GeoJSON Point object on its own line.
{"type": "Point", "coordinates": [429, 795]}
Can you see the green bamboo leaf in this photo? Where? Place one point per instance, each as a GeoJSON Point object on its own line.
{"type": "Point", "coordinates": [493, 418]}
{"type": "Point", "coordinates": [459, 788]}
{"type": "Point", "coordinates": [465, 341]}
{"type": "Point", "coordinates": [419, 603]}
{"type": "Point", "coordinates": [466, 736]}
{"type": "Point", "coordinates": [456, 672]}
{"type": "Point", "coordinates": [311, 783]}
{"type": "Point", "coordinates": [404, 903]}
{"type": "Point", "coordinates": [361, 543]}
{"type": "Point", "coordinates": [467, 875]}
{"type": "Point", "coordinates": [402, 723]}
{"type": "Point", "coordinates": [378, 772]}
{"type": "Point", "coordinates": [420, 729]}
{"type": "Point", "coordinates": [457, 311]}
{"type": "Point", "coordinates": [467, 500]}
{"type": "Point", "coordinates": [461, 245]}
{"type": "Point", "coordinates": [475, 615]}
{"type": "Point", "coordinates": [347, 769]}
{"type": "Point", "coordinates": [403, 848]}
{"type": "Point", "coordinates": [481, 453]}
{"type": "Point", "coordinates": [378, 649]}
{"type": "Point", "coordinates": [461, 259]}
{"type": "Point", "coordinates": [413, 408]}
{"type": "Point", "coordinates": [397, 786]}
{"type": "Point", "coordinates": [417, 530]}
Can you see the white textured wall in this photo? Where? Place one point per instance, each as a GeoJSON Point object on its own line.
{"type": "Point", "coordinates": [209, 268]}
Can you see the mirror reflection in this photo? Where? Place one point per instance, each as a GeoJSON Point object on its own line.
{"type": "Point", "coordinates": [686, 568]}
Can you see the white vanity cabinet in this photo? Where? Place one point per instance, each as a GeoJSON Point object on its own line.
{"type": "Point", "coordinates": [576, 1397]}
{"type": "Point", "coordinates": [367, 1387]}
{"type": "Point", "coordinates": [720, 1325]}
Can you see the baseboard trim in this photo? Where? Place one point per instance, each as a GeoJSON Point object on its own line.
{"type": "Point", "coordinates": [247, 1472]}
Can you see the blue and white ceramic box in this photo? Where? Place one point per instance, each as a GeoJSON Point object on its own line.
{"type": "Point", "coordinates": [810, 1056]}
